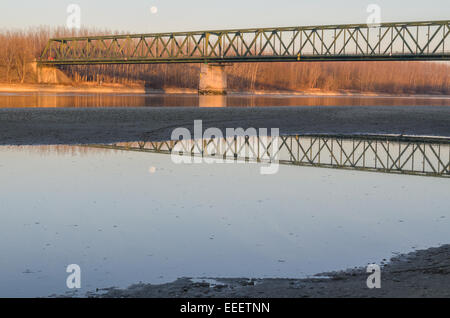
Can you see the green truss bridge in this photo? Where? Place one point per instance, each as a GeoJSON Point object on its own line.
{"type": "Point", "coordinates": [356, 42]}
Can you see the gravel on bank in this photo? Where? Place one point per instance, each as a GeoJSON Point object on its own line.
{"type": "Point", "coordinates": [28, 126]}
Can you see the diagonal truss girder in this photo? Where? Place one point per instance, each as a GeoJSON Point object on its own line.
{"type": "Point", "coordinates": [399, 155]}
{"type": "Point", "coordinates": [387, 41]}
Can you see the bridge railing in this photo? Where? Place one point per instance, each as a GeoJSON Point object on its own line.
{"type": "Point", "coordinates": [388, 41]}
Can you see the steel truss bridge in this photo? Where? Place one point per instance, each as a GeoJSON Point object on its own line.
{"type": "Point", "coordinates": [387, 41]}
{"type": "Point", "coordinates": [388, 154]}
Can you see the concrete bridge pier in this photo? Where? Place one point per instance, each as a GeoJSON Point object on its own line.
{"type": "Point", "coordinates": [49, 74]}
{"type": "Point", "coordinates": [213, 80]}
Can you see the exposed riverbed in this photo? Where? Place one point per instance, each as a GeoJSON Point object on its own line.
{"type": "Point", "coordinates": [27, 126]}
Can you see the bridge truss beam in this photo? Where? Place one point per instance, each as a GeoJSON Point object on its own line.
{"type": "Point", "coordinates": [398, 155]}
{"type": "Point", "coordinates": [387, 41]}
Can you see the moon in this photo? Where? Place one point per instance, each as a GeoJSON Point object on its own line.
{"type": "Point", "coordinates": [154, 10]}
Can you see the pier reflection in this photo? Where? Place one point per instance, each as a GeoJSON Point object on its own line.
{"type": "Point", "coordinates": [212, 101]}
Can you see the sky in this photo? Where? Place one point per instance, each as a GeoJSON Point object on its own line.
{"type": "Point", "coordinates": [181, 15]}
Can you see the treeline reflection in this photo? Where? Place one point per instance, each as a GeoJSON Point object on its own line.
{"type": "Point", "coordinates": [22, 100]}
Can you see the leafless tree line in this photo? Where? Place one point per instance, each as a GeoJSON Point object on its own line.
{"type": "Point", "coordinates": [18, 48]}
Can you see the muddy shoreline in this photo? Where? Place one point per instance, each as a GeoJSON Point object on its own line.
{"type": "Point", "coordinates": [43, 126]}
{"type": "Point", "coordinates": [423, 273]}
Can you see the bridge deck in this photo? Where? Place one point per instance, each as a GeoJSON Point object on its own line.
{"type": "Point", "coordinates": [387, 41]}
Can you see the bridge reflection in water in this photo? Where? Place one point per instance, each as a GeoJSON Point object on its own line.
{"type": "Point", "coordinates": [388, 154]}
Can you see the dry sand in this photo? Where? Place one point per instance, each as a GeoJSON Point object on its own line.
{"type": "Point", "coordinates": [110, 88]}
{"type": "Point", "coordinates": [90, 88]}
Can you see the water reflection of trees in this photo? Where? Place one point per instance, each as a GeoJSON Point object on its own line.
{"type": "Point", "coordinates": [105, 100]}
{"type": "Point", "coordinates": [61, 150]}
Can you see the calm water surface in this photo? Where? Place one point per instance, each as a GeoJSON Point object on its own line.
{"type": "Point", "coordinates": [126, 217]}
{"type": "Point", "coordinates": [158, 100]}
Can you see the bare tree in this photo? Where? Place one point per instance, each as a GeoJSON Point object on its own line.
{"type": "Point", "coordinates": [23, 56]}
{"type": "Point", "coordinates": [7, 54]}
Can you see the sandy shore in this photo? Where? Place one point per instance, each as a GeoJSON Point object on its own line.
{"type": "Point", "coordinates": [93, 88]}
{"type": "Point", "coordinates": [90, 88]}
{"type": "Point", "coordinates": [27, 126]}
{"type": "Point", "coordinates": [424, 273]}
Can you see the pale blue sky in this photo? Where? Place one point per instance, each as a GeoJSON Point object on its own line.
{"type": "Point", "coordinates": [184, 15]}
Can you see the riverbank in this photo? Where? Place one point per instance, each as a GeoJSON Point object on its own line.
{"type": "Point", "coordinates": [424, 273]}
{"type": "Point", "coordinates": [89, 88]}
{"type": "Point", "coordinates": [94, 88]}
